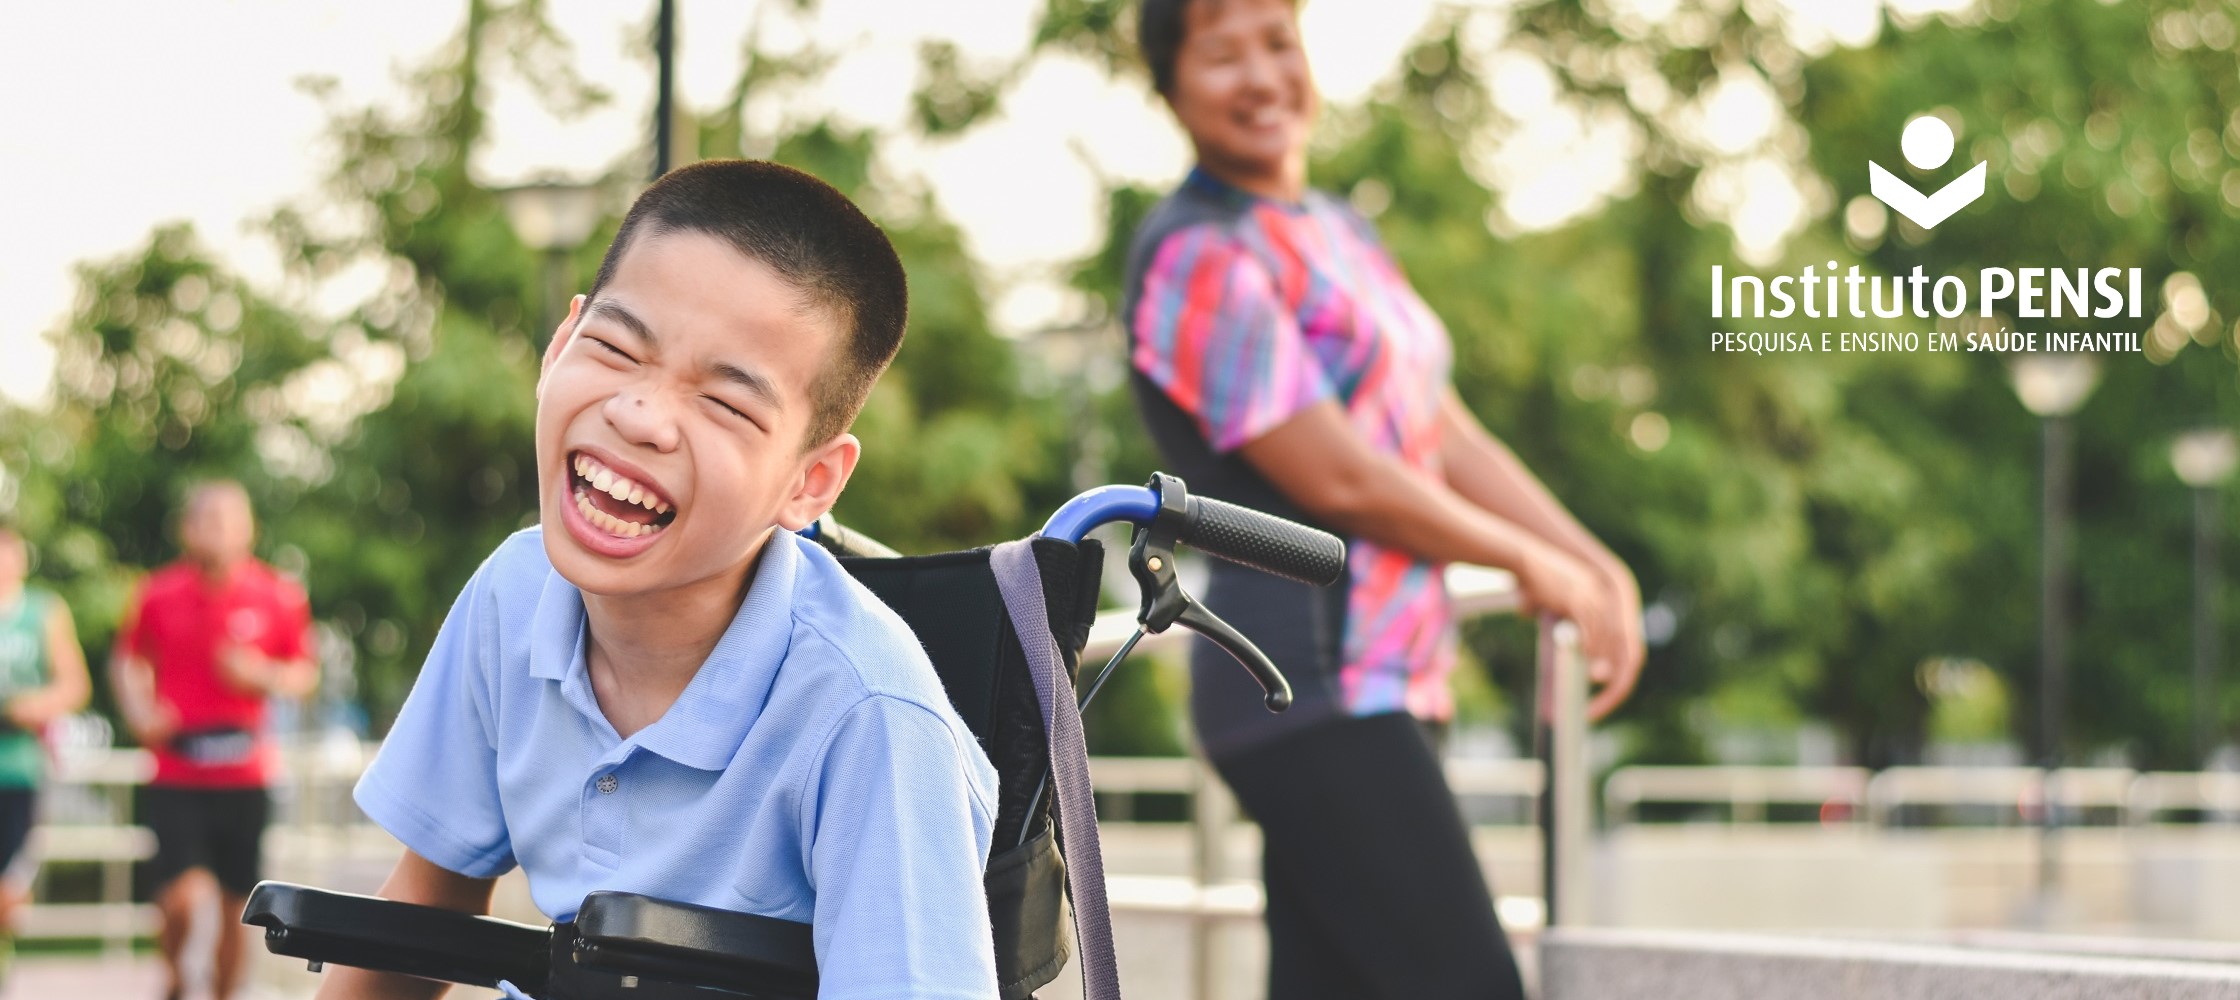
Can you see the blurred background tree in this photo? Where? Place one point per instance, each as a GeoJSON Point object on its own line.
{"type": "Point", "coordinates": [1814, 532]}
{"type": "Point", "coordinates": [1820, 538]}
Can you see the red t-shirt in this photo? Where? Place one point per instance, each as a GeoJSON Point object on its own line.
{"type": "Point", "coordinates": [179, 623]}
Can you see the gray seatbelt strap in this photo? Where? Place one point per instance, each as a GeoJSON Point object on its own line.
{"type": "Point", "coordinates": [1020, 582]}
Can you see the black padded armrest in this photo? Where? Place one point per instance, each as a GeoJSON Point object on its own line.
{"type": "Point", "coordinates": [387, 936]}
{"type": "Point", "coordinates": [634, 935]}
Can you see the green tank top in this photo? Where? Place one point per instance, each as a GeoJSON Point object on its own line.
{"type": "Point", "coordinates": [23, 667]}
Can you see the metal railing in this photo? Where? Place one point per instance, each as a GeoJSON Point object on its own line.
{"type": "Point", "coordinates": [87, 812]}
{"type": "Point", "coordinates": [1746, 791]}
{"type": "Point", "coordinates": [1900, 796]}
{"type": "Point", "coordinates": [1556, 783]}
{"type": "Point", "coordinates": [86, 817]}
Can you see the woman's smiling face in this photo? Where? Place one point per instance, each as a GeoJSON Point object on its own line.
{"type": "Point", "coordinates": [671, 419]}
{"type": "Point", "coordinates": [1242, 88]}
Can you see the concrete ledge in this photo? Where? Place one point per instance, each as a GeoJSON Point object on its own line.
{"type": "Point", "coordinates": [1588, 964]}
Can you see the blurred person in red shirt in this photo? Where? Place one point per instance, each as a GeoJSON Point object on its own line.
{"type": "Point", "coordinates": [208, 641]}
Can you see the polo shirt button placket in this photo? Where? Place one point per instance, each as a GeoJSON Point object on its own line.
{"type": "Point", "coordinates": [604, 820]}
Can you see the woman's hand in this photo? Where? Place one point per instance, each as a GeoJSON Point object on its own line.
{"type": "Point", "coordinates": [1618, 674]}
{"type": "Point", "coordinates": [1554, 582]}
{"type": "Point", "coordinates": [32, 710]}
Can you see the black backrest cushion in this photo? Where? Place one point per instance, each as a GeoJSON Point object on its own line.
{"type": "Point", "coordinates": [950, 600]}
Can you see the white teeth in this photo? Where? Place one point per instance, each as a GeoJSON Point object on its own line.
{"type": "Point", "coordinates": [618, 486]}
{"type": "Point", "coordinates": [609, 523]}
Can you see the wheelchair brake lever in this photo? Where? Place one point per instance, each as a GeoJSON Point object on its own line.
{"type": "Point", "coordinates": [1165, 603]}
{"type": "Point", "coordinates": [1197, 619]}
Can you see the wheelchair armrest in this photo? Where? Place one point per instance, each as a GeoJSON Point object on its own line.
{"type": "Point", "coordinates": [387, 936]}
{"type": "Point", "coordinates": [634, 935]}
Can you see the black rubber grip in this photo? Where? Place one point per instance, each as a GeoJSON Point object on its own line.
{"type": "Point", "coordinates": [1263, 541]}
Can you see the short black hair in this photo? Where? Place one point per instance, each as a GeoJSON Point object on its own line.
{"type": "Point", "coordinates": [1159, 30]}
{"type": "Point", "coordinates": [817, 241]}
{"type": "Point", "coordinates": [1160, 27]}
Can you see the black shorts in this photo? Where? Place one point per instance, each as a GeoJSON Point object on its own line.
{"type": "Point", "coordinates": [1373, 890]}
{"type": "Point", "coordinates": [17, 807]}
{"type": "Point", "coordinates": [219, 829]}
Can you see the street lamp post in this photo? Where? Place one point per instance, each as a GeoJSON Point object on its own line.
{"type": "Point", "coordinates": [2053, 387]}
{"type": "Point", "coordinates": [553, 217]}
{"type": "Point", "coordinates": [2204, 459]}
{"type": "Point", "coordinates": [664, 100]}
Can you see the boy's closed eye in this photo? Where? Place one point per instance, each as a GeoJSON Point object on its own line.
{"type": "Point", "coordinates": [612, 350]}
{"type": "Point", "coordinates": [734, 412]}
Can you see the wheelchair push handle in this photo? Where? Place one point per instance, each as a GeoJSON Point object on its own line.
{"type": "Point", "coordinates": [1262, 541]}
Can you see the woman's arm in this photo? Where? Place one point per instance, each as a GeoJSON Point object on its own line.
{"type": "Point", "coordinates": [67, 686]}
{"type": "Point", "coordinates": [1488, 474]}
{"type": "Point", "coordinates": [1483, 470]}
{"type": "Point", "coordinates": [414, 880]}
{"type": "Point", "coordinates": [1319, 461]}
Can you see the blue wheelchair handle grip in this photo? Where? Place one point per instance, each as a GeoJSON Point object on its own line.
{"type": "Point", "coordinates": [1238, 534]}
{"type": "Point", "coordinates": [1098, 507]}
{"type": "Point", "coordinates": [1072, 522]}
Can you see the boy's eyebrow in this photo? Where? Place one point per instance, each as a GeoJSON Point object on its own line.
{"type": "Point", "coordinates": [613, 309]}
{"type": "Point", "coordinates": [755, 385]}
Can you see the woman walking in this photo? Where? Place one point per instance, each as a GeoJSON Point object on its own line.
{"type": "Point", "coordinates": [42, 678]}
{"type": "Point", "coordinates": [1282, 361]}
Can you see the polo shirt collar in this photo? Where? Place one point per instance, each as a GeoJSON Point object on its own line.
{"type": "Point", "coordinates": [711, 718]}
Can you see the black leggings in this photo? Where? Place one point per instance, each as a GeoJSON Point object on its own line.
{"type": "Point", "coordinates": [1373, 890]}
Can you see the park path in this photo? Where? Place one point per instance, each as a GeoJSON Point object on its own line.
{"type": "Point", "coordinates": [97, 978]}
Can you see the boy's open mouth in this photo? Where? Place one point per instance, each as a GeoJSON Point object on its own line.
{"type": "Point", "coordinates": [615, 503]}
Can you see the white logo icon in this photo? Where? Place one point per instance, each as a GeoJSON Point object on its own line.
{"type": "Point", "coordinates": [1927, 144]}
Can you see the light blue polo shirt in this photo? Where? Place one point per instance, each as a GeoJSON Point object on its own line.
{"type": "Point", "coordinates": [812, 770]}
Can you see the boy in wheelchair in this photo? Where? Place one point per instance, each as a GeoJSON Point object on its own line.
{"type": "Point", "coordinates": [663, 689]}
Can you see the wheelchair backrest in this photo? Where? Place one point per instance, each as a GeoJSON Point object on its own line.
{"type": "Point", "coordinates": [950, 601]}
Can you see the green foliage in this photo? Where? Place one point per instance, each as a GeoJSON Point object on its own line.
{"type": "Point", "coordinates": [1819, 528]}
{"type": "Point", "coordinates": [172, 370]}
{"type": "Point", "coordinates": [1822, 525]}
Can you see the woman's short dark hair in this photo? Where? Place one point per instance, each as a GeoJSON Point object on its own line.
{"type": "Point", "coordinates": [1159, 29]}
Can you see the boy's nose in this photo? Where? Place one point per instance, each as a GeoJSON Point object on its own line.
{"type": "Point", "coordinates": [641, 418]}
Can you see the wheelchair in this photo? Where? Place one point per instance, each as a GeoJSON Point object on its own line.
{"type": "Point", "coordinates": [625, 946]}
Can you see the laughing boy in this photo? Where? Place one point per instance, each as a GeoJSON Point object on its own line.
{"type": "Point", "coordinates": [662, 689]}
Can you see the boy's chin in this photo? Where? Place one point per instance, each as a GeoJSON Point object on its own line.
{"type": "Point", "coordinates": [599, 562]}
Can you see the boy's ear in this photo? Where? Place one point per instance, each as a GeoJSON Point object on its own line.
{"type": "Point", "coordinates": [560, 338]}
{"type": "Point", "coordinates": [826, 474]}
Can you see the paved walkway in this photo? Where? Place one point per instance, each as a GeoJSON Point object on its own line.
{"type": "Point", "coordinates": [96, 978]}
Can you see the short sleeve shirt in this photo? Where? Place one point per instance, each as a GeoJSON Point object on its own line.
{"type": "Point", "coordinates": [1242, 311]}
{"type": "Point", "coordinates": [25, 665]}
{"type": "Point", "coordinates": [812, 770]}
{"type": "Point", "coordinates": [180, 623]}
